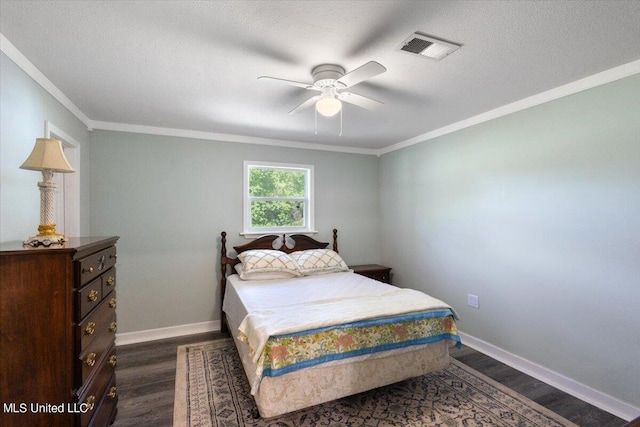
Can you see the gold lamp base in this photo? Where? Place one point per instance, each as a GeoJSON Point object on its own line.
{"type": "Point", "coordinates": [47, 236]}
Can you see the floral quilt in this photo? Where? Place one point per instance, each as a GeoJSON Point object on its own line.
{"type": "Point", "coordinates": [294, 351]}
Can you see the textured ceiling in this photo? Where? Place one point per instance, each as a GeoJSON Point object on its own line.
{"type": "Point", "coordinates": [194, 65]}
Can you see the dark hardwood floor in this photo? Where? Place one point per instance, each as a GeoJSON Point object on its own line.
{"type": "Point", "coordinates": [571, 408]}
{"type": "Point", "coordinates": [145, 376]}
{"type": "Point", "coordinates": [146, 382]}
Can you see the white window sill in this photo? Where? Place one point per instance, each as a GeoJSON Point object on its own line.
{"type": "Point", "coordinates": [256, 234]}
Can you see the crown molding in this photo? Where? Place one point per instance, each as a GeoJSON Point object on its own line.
{"type": "Point", "coordinates": [604, 77]}
{"type": "Point", "coordinates": [32, 71]}
{"type": "Point", "coordinates": [194, 134]}
{"type": "Point", "coordinates": [589, 82]}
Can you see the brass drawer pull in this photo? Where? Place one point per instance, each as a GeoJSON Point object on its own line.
{"type": "Point", "coordinates": [112, 360]}
{"type": "Point", "coordinates": [112, 393]}
{"type": "Point", "coordinates": [93, 296]}
{"type": "Point", "coordinates": [112, 303]}
{"type": "Point", "coordinates": [87, 270]}
{"type": "Point", "coordinates": [90, 360]}
{"type": "Point", "coordinates": [90, 329]}
{"type": "Point", "coordinates": [114, 256]}
{"type": "Point", "coordinates": [113, 327]}
{"type": "Point", "coordinates": [90, 402]}
{"type": "Point", "coordinates": [111, 280]}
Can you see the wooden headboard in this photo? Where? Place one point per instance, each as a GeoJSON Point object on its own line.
{"type": "Point", "coordinates": [301, 243]}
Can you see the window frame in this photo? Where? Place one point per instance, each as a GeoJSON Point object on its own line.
{"type": "Point", "coordinates": [307, 228]}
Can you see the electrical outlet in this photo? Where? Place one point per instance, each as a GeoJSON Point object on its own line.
{"type": "Point", "coordinates": [472, 301]}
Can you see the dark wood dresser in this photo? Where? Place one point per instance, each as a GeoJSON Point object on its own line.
{"type": "Point", "coordinates": [373, 271]}
{"type": "Point", "coordinates": [57, 333]}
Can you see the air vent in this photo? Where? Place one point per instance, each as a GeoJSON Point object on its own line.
{"type": "Point", "coordinates": [416, 45]}
{"type": "Point", "coordinates": [427, 47]}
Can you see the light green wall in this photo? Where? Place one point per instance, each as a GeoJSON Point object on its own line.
{"type": "Point", "coordinates": [169, 199]}
{"type": "Point", "coordinates": [24, 107]}
{"type": "Point", "coordinates": [537, 213]}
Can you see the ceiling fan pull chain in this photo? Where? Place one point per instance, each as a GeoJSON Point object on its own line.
{"type": "Point", "coordinates": [316, 119]}
{"type": "Point", "coordinates": [341, 121]}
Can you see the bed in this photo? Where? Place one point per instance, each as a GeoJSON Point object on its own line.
{"type": "Point", "coordinates": [312, 331]}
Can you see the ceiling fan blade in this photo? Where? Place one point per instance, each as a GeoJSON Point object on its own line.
{"type": "Point", "coordinates": [288, 82]}
{"type": "Point", "coordinates": [362, 73]}
{"type": "Point", "coordinates": [306, 104]}
{"type": "Point", "coordinates": [359, 100]}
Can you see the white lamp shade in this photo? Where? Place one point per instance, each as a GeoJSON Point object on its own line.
{"type": "Point", "coordinates": [328, 106]}
{"type": "Point", "coordinates": [47, 155]}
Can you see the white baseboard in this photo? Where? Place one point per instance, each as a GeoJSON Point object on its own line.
{"type": "Point", "coordinates": [583, 392]}
{"type": "Point", "coordinates": [169, 332]}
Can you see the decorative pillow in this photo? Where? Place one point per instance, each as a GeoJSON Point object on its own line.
{"type": "Point", "coordinates": [319, 261]}
{"type": "Point", "coordinates": [267, 261]}
{"type": "Point", "coordinates": [261, 275]}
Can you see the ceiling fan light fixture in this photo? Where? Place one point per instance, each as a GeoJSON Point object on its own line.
{"type": "Point", "coordinates": [328, 106]}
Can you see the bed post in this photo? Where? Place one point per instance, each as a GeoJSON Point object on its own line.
{"type": "Point", "coordinates": [223, 281]}
{"type": "Point", "coordinates": [335, 239]}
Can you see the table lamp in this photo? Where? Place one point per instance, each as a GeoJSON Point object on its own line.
{"type": "Point", "coordinates": [47, 156]}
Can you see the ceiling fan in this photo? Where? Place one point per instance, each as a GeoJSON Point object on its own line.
{"type": "Point", "coordinates": [330, 80]}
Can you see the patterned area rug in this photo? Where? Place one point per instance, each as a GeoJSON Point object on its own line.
{"type": "Point", "coordinates": [212, 390]}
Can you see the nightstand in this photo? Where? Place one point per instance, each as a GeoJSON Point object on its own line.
{"type": "Point", "coordinates": [373, 271]}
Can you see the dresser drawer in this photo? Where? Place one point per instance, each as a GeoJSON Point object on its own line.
{"type": "Point", "coordinates": [101, 322]}
{"type": "Point", "coordinates": [108, 281]}
{"type": "Point", "coordinates": [89, 297]}
{"type": "Point", "coordinates": [94, 392]}
{"type": "Point", "coordinates": [95, 355]}
{"type": "Point", "coordinates": [94, 265]}
{"type": "Point", "coordinates": [104, 412]}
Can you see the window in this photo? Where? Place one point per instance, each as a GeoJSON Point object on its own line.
{"type": "Point", "coordinates": [277, 198]}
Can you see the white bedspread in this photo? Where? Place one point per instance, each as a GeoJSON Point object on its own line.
{"type": "Point", "coordinates": [275, 307]}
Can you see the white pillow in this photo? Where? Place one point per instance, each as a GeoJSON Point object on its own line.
{"type": "Point", "coordinates": [267, 261]}
{"type": "Point", "coordinates": [319, 261]}
{"type": "Point", "coordinates": [261, 275]}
